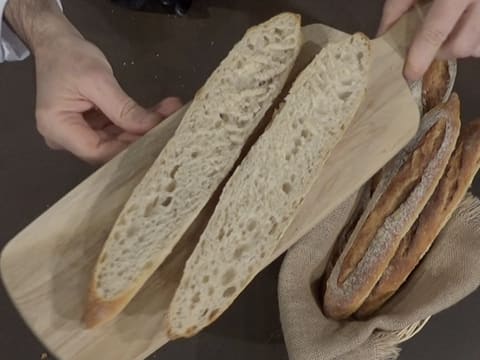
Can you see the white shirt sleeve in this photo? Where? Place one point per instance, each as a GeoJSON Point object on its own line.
{"type": "Point", "coordinates": [11, 47]}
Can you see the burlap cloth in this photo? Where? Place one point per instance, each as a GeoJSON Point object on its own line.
{"type": "Point", "coordinates": [449, 273]}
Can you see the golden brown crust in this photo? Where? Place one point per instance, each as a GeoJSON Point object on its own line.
{"type": "Point", "coordinates": [100, 311]}
{"type": "Point", "coordinates": [347, 230]}
{"type": "Point", "coordinates": [459, 174]}
{"type": "Point", "coordinates": [398, 190]}
{"type": "Point", "coordinates": [401, 196]}
{"type": "Point", "coordinates": [436, 82]}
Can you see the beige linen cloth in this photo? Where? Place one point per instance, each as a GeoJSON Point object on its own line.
{"type": "Point", "coordinates": [449, 273]}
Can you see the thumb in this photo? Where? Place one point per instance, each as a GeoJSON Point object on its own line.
{"type": "Point", "coordinates": [119, 108]}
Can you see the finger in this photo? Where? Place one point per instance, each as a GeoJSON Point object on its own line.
{"type": "Point", "coordinates": [105, 92]}
{"type": "Point", "coordinates": [392, 11]}
{"type": "Point", "coordinates": [438, 24]}
{"type": "Point", "coordinates": [73, 134]}
{"type": "Point", "coordinates": [465, 38]}
{"type": "Point", "coordinates": [96, 119]}
{"type": "Point", "coordinates": [52, 145]}
{"type": "Point", "coordinates": [114, 132]}
{"type": "Point", "coordinates": [168, 106]}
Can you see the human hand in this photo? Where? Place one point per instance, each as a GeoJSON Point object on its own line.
{"type": "Point", "coordinates": [451, 29]}
{"type": "Point", "coordinates": [80, 107]}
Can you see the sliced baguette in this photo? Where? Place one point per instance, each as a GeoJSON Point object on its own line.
{"type": "Point", "coordinates": [193, 164]}
{"type": "Point", "coordinates": [261, 198]}
{"type": "Point", "coordinates": [407, 183]}
{"type": "Point", "coordinates": [451, 190]}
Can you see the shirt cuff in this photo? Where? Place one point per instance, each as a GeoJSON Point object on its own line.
{"type": "Point", "coordinates": [11, 47]}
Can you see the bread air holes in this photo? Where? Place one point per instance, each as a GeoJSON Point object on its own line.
{"type": "Point", "coordinates": [131, 231]}
{"type": "Point", "coordinates": [171, 186]}
{"type": "Point", "coordinates": [242, 123]}
{"type": "Point", "coordinates": [228, 277]}
{"type": "Point", "coordinates": [273, 228]}
{"type": "Point", "coordinates": [262, 83]}
{"type": "Point", "coordinates": [229, 291]}
{"type": "Point", "coordinates": [344, 96]}
{"type": "Point", "coordinates": [287, 188]}
{"type": "Point", "coordinates": [224, 117]}
{"type": "Point", "coordinates": [213, 314]}
{"type": "Point", "coordinates": [167, 201]}
{"type": "Point", "coordinates": [210, 291]}
{"type": "Point", "coordinates": [150, 207]}
{"type": "Point", "coordinates": [221, 234]}
{"type": "Point", "coordinates": [306, 134]}
{"type": "Point", "coordinates": [194, 154]}
{"type": "Point", "coordinates": [251, 225]}
{"type": "Point", "coordinates": [205, 279]}
{"type": "Point", "coordinates": [239, 251]}
{"type": "Point", "coordinates": [196, 298]}
{"type": "Point", "coordinates": [174, 171]}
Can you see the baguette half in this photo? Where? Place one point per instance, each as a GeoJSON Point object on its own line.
{"type": "Point", "coordinates": [262, 197]}
{"type": "Point", "coordinates": [451, 190]}
{"type": "Point", "coordinates": [193, 164]}
{"type": "Point", "coordinates": [407, 183]}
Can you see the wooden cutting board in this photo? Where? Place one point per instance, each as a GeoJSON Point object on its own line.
{"type": "Point", "coordinates": [46, 268]}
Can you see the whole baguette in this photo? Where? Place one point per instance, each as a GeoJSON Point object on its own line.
{"type": "Point", "coordinates": [453, 186]}
{"type": "Point", "coordinates": [262, 197]}
{"type": "Point", "coordinates": [205, 147]}
{"type": "Point", "coordinates": [407, 183]}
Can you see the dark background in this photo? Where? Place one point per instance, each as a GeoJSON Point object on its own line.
{"type": "Point", "coordinates": [157, 55]}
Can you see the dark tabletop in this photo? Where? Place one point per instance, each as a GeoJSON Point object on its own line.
{"type": "Point", "coordinates": [157, 55]}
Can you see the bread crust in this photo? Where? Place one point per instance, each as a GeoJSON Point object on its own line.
{"type": "Point", "coordinates": [407, 184]}
{"type": "Point", "coordinates": [459, 174]}
{"type": "Point", "coordinates": [436, 85]}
